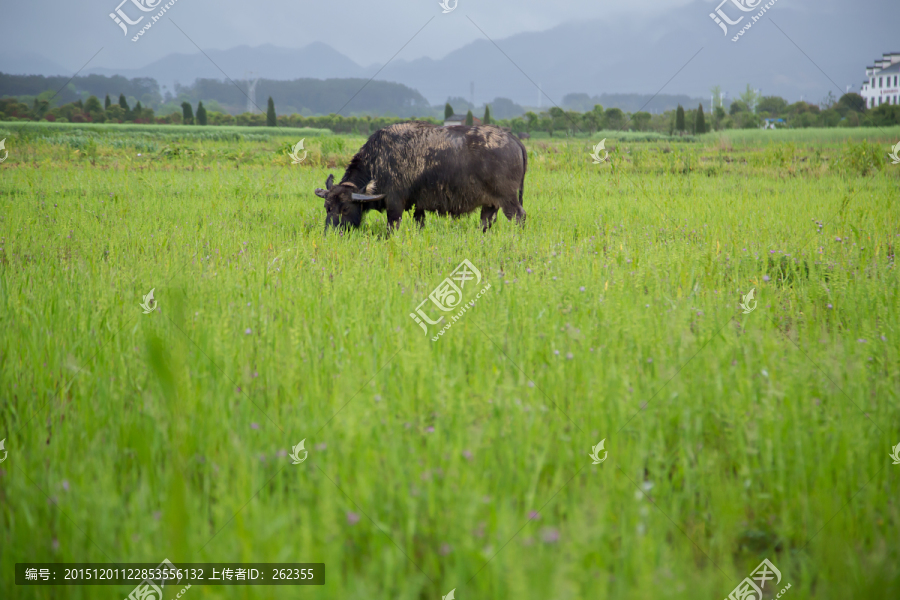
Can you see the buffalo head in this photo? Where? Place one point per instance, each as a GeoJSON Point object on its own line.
{"type": "Point", "coordinates": [344, 205]}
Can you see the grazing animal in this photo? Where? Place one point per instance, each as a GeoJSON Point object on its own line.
{"type": "Point", "coordinates": [423, 167]}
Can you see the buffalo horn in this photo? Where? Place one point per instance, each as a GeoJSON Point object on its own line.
{"type": "Point", "coordinates": [366, 197]}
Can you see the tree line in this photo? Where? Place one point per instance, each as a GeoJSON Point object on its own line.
{"type": "Point", "coordinates": [750, 110]}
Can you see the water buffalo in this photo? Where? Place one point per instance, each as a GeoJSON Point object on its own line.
{"type": "Point", "coordinates": [420, 166]}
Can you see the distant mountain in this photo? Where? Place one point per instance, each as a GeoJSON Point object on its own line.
{"type": "Point", "coordinates": [671, 51]}
{"type": "Point", "coordinates": [317, 60]}
{"type": "Point", "coordinates": [29, 63]}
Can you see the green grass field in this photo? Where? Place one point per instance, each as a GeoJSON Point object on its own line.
{"type": "Point", "coordinates": [613, 314]}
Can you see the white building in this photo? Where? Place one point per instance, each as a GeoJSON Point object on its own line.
{"type": "Point", "coordinates": [882, 85]}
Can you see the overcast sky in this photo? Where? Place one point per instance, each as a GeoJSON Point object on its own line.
{"type": "Point", "coordinates": [841, 36]}
{"type": "Point", "coordinates": [367, 31]}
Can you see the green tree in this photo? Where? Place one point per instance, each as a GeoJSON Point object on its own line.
{"type": "Point", "coordinates": [700, 122]}
{"type": "Point", "coordinates": [487, 115]}
{"type": "Point", "coordinates": [115, 113]}
{"type": "Point", "coordinates": [774, 105]}
{"type": "Point", "coordinates": [716, 92]}
{"type": "Point", "coordinates": [94, 110]}
{"type": "Point", "coordinates": [558, 119]}
{"type": "Point", "coordinates": [850, 102]}
{"type": "Point", "coordinates": [123, 103]}
{"type": "Point", "coordinates": [592, 121]}
{"type": "Point", "coordinates": [750, 97]}
{"type": "Point", "coordinates": [615, 118]}
{"type": "Point", "coordinates": [470, 120]}
{"type": "Point", "coordinates": [107, 102]}
{"type": "Point", "coordinates": [679, 119]}
{"type": "Point", "coordinates": [718, 117]}
{"type": "Point", "coordinates": [271, 120]}
{"type": "Point", "coordinates": [531, 121]}
{"type": "Point", "coordinates": [448, 111]}
{"type": "Point", "coordinates": [92, 104]}
{"type": "Point", "coordinates": [738, 106]}
{"type": "Point", "coordinates": [546, 123]}
{"type": "Point", "coordinates": [201, 114]}
{"type": "Point", "coordinates": [641, 120]}
{"type": "Point", "coordinates": [187, 113]}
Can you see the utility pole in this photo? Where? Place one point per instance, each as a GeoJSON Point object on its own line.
{"type": "Point", "coordinates": [251, 91]}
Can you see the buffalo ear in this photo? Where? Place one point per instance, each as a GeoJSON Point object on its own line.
{"type": "Point", "coordinates": [329, 183]}
{"type": "Point", "coordinates": [321, 193]}
{"type": "Point", "coordinates": [366, 197]}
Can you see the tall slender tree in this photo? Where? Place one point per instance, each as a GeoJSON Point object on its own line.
{"type": "Point", "coordinates": [470, 120]}
{"type": "Point", "coordinates": [487, 115]}
{"type": "Point", "coordinates": [107, 103]}
{"type": "Point", "coordinates": [448, 111]}
{"type": "Point", "coordinates": [201, 114]}
{"type": "Point", "coordinates": [271, 120]}
{"type": "Point", "coordinates": [700, 122]}
{"type": "Point", "coordinates": [123, 102]}
{"type": "Point", "coordinates": [679, 119]}
{"type": "Point", "coordinates": [187, 113]}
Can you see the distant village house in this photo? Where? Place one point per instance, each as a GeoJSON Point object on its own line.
{"type": "Point", "coordinates": [882, 87]}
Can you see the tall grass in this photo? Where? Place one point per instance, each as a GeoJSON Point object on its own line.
{"type": "Point", "coordinates": [614, 314]}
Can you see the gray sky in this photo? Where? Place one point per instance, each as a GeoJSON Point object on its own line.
{"type": "Point", "coordinates": [367, 31]}
{"type": "Point", "coordinates": [600, 46]}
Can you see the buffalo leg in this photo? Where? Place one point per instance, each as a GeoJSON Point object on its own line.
{"type": "Point", "coordinates": [394, 220]}
{"type": "Point", "coordinates": [488, 216]}
{"type": "Point", "coordinates": [419, 216]}
{"type": "Point", "coordinates": [515, 211]}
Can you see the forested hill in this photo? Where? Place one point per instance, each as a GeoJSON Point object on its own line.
{"type": "Point", "coordinates": [313, 96]}
{"type": "Point", "coordinates": [71, 89]}
{"type": "Point", "coordinates": [301, 96]}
